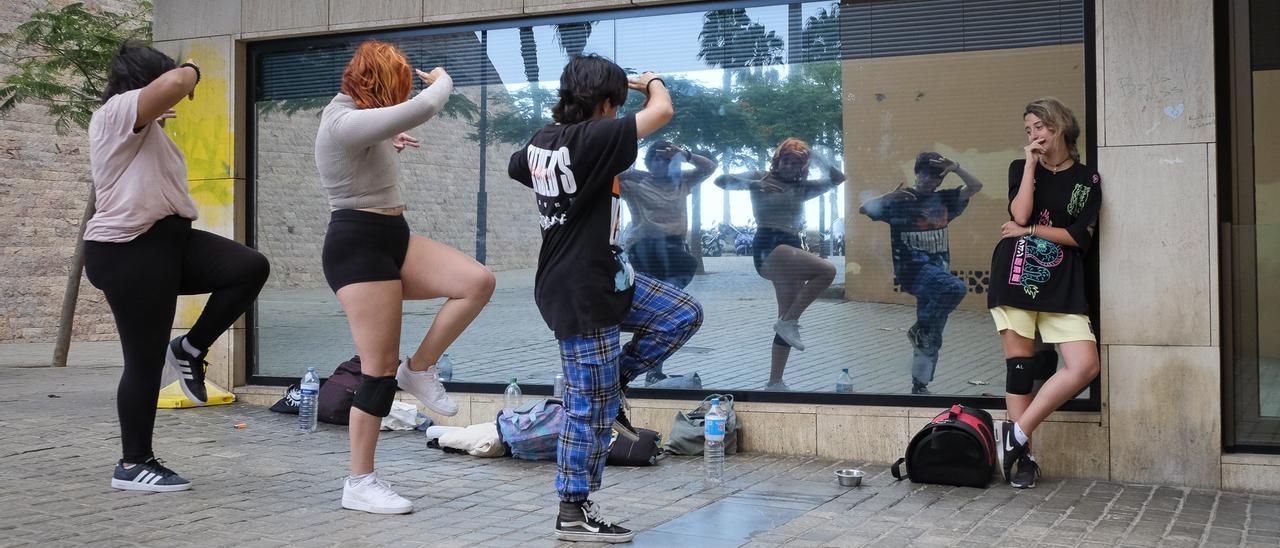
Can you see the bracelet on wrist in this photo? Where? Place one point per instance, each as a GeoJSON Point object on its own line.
{"type": "Point", "coordinates": [646, 86]}
{"type": "Point", "coordinates": [192, 66]}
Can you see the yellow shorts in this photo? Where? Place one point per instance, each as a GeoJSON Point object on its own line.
{"type": "Point", "coordinates": [1054, 327]}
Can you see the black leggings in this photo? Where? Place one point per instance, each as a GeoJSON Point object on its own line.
{"type": "Point", "coordinates": [142, 279]}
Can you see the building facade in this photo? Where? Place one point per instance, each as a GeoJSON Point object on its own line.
{"type": "Point", "coordinates": [1173, 97]}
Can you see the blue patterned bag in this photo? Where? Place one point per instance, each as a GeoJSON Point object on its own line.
{"type": "Point", "coordinates": [532, 431]}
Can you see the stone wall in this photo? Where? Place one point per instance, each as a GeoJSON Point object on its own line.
{"type": "Point", "coordinates": [43, 190]}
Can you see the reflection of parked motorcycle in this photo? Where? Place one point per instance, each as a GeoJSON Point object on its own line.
{"type": "Point", "coordinates": [744, 237]}
{"type": "Point", "coordinates": [713, 239]}
{"type": "Point", "coordinates": [712, 242]}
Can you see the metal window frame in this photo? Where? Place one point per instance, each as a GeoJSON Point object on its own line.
{"type": "Point", "coordinates": [1237, 255]}
{"type": "Point", "coordinates": [1092, 403]}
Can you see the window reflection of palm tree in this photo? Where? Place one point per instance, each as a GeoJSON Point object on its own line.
{"type": "Point", "coordinates": [777, 199]}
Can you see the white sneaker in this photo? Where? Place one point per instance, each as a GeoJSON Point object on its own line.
{"type": "Point", "coordinates": [374, 496]}
{"type": "Point", "coordinates": [789, 330]}
{"type": "Point", "coordinates": [777, 387]}
{"type": "Point", "coordinates": [427, 388]}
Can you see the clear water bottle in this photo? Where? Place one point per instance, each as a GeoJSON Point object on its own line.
{"type": "Point", "coordinates": [713, 449]}
{"type": "Point", "coordinates": [844, 384]}
{"type": "Point", "coordinates": [310, 389]}
{"type": "Point", "coordinates": [444, 368]}
{"type": "Point", "coordinates": [511, 398]}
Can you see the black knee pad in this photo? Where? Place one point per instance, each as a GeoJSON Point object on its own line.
{"type": "Point", "coordinates": [1021, 375]}
{"type": "Point", "coordinates": [779, 341]}
{"type": "Point", "coordinates": [375, 394]}
{"type": "Point", "coordinates": [1046, 364]}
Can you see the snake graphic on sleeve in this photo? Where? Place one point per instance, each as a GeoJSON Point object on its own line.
{"type": "Point", "coordinates": [1032, 259]}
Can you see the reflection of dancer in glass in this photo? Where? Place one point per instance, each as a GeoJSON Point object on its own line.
{"type": "Point", "coordinates": [373, 263]}
{"type": "Point", "coordinates": [1037, 279]}
{"type": "Point", "coordinates": [658, 240]}
{"type": "Point", "coordinates": [141, 251]}
{"type": "Point", "coordinates": [777, 198]}
{"type": "Point", "coordinates": [918, 217]}
{"type": "Point", "coordinates": [585, 289]}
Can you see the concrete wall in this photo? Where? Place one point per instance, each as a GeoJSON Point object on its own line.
{"type": "Point", "coordinates": [42, 197]}
{"type": "Point", "coordinates": [1159, 286]}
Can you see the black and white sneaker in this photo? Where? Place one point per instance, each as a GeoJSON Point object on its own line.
{"type": "Point", "coordinates": [1013, 451]}
{"type": "Point", "coordinates": [190, 370]}
{"type": "Point", "coordinates": [588, 526]}
{"type": "Point", "coordinates": [621, 424]}
{"type": "Point", "coordinates": [1028, 471]}
{"type": "Point", "coordinates": [148, 476]}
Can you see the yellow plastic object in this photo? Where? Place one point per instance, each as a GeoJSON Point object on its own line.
{"type": "Point", "coordinates": [171, 397]}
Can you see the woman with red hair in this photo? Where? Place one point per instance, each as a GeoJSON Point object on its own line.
{"type": "Point", "coordinates": [777, 199]}
{"type": "Point", "coordinates": [373, 263]}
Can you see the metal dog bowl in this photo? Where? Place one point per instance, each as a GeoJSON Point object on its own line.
{"type": "Point", "coordinates": [850, 477]}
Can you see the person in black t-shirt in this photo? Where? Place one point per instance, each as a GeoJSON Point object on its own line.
{"type": "Point", "coordinates": [1037, 279]}
{"type": "Point", "coordinates": [777, 199]}
{"type": "Point", "coordinates": [918, 217]}
{"type": "Point", "coordinates": [584, 287]}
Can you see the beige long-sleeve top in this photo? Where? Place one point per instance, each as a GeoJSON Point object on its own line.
{"type": "Point", "coordinates": [357, 163]}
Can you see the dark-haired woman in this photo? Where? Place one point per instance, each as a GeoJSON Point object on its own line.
{"type": "Point", "coordinates": [141, 251]}
{"type": "Point", "coordinates": [1037, 279]}
{"type": "Point", "coordinates": [585, 288]}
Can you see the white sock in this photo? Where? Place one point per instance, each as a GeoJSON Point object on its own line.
{"type": "Point", "coordinates": [1019, 435]}
{"type": "Point", "coordinates": [190, 349]}
{"type": "Point", "coordinates": [355, 479]}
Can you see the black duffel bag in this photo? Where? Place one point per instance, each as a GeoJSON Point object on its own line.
{"type": "Point", "coordinates": [958, 447]}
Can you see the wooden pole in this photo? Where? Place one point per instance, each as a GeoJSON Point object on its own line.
{"type": "Point", "coordinates": [72, 291]}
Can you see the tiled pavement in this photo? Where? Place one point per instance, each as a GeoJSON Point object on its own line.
{"type": "Point", "coordinates": [268, 485]}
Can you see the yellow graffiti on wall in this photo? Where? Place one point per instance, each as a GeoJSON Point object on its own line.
{"type": "Point", "coordinates": [202, 131]}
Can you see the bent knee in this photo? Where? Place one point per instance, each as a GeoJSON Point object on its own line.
{"type": "Point", "coordinates": [481, 284]}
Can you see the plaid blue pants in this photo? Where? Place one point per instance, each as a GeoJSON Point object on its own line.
{"type": "Point", "coordinates": [596, 367]}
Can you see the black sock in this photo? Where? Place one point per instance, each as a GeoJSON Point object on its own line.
{"type": "Point", "coordinates": [570, 510]}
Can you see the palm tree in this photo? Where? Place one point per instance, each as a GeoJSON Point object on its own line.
{"type": "Point", "coordinates": [731, 41]}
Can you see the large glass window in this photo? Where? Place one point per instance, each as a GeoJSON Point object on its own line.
{"type": "Point", "coordinates": [1254, 215]}
{"type": "Point", "coordinates": [887, 96]}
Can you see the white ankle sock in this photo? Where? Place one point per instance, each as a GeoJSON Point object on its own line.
{"type": "Point", "coordinates": [355, 479]}
{"type": "Point", "coordinates": [190, 349]}
{"type": "Point", "coordinates": [1019, 435]}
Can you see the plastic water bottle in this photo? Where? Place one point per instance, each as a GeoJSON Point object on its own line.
{"type": "Point", "coordinates": [713, 449]}
{"type": "Point", "coordinates": [511, 398]}
{"type": "Point", "coordinates": [844, 384]}
{"type": "Point", "coordinates": [444, 368]}
{"type": "Point", "coordinates": [307, 406]}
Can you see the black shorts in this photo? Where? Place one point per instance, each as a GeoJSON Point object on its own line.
{"type": "Point", "coordinates": [363, 247]}
{"type": "Point", "coordinates": [766, 240]}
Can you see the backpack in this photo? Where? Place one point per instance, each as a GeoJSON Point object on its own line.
{"type": "Point", "coordinates": [333, 405]}
{"type": "Point", "coordinates": [958, 447]}
{"type": "Point", "coordinates": [532, 431]}
{"type": "Point", "coordinates": [645, 452]}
